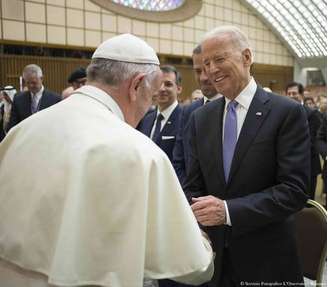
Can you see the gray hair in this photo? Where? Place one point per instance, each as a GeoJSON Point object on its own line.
{"type": "Point", "coordinates": [32, 69]}
{"type": "Point", "coordinates": [197, 50]}
{"type": "Point", "coordinates": [238, 37]}
{"type": "Point", "coordinates": [113, 73]}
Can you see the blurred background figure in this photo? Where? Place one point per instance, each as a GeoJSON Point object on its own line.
{"type": "Point", "coordinates": [196, 95]}
{"type": "Point", "coordinates": [78, 78]}
{"type": "Point", "coordinates": [36, 98]}
{"type": "Point", "coordinates": [7, 94]}
{"type": "Point", "coordinates": [67, 92]}
{"type": "Point", "coordinates": [295, 91]}
{"type": "Point", "coordinates": [309, 102]}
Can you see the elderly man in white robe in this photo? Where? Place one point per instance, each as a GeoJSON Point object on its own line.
{"type": "Point", "coordinates": [92, 201]}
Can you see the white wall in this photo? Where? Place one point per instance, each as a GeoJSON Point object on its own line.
{"type": "Point", "coordinates": [84, 24]}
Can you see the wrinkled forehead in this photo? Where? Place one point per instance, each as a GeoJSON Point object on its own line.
{"type": "Point", "coordinates": [217, 41]}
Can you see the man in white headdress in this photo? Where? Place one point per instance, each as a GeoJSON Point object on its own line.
{"type": "Point", "coordinates": [93, 201]}
{"type": "Point", "coordinates": [8, 93]}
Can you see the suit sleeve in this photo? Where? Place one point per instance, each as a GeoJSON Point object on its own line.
{"type": "Point", "coordinates": [178, 151]}
{"type": "Point", "coordinates": [58, 98]}
{"type": "Point", "coordinates": [314, 125]}
{"type": "Point", "coordinates": [194, 185]}
{"type": "Point", "coordinates": [277, 202]}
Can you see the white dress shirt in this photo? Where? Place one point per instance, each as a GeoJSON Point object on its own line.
{"type": "Point", "coordinates": [244, 100]}
{"type": "Point", "coordinates": [37, 97]}
{"type": "Point", "coordinates": [166, 114]}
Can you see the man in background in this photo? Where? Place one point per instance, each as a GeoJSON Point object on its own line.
{"type": "Point", "coordinates": [162, 124]}
{"type": "Point", "coordinates": [104, 207]}
{"type": "Point", "coordinates": [181, 152]}
{"type": "Point", "coordinates": [36, 97]}
{"type": "Point", "coordinates": [295, 91]}
{"type": "Point", "coordinates": [76, 79]}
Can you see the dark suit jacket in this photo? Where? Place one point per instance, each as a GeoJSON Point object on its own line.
{"type": "Point", "coordinates": [21, 108]}
{"type": "Point", "coordinates": [314, 118]}
{"type": "Point", "coordinates": [181, 151]}
{"type": "Point", "coordinates": [267, 185]}
{"type": "Point", "coordinates": [169, 130]}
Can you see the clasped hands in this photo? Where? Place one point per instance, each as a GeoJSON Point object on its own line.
{"type": "Point", "coordinates": [209, 210]}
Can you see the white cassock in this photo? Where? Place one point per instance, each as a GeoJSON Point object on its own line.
{"type": "Point", "coordinates": [85, 199]}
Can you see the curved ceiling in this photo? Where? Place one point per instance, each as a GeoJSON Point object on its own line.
{"type": "Point", "coordinates": [300, 23]}
{"type": "Point", "coordinates": [151, 5]}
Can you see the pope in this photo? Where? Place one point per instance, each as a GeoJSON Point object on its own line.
{"type": "Point", "coordinates": [85, 198]}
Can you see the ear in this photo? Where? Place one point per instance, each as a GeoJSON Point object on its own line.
{"type": "Point", "coordinates": [179, 89]}
{"type": "Point", "coordinates": [247, 57]}
{"type": "Point", "coordinates": [134, 85]}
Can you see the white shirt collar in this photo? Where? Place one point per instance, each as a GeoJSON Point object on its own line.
{"type": "Point", "coordinates": [102, 97]}
{"type": "Point", "coordinates": [38, 94]}
{"type": "Point", "coordinates": [246, 96]}
{"type": "Point", "coordinates": [168, 111]}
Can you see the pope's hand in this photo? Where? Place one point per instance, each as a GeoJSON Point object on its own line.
{"type": "Point", "coordinates": [209, 210]}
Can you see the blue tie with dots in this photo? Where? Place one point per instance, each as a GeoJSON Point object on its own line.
{"type": "Point", "coordinates": [230, 137]}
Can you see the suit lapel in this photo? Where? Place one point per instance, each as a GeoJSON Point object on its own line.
{"type": "Point", "coordinates": [43, 100]}
{"type": "Point", "coordinates": [256, 115]}
{"type": "Point", "coordinates": [150, 123]}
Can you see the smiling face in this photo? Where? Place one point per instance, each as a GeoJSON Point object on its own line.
{"type": "Point", "coordinates": [227, 65]}
{"type": "Point", "coordinates": [168, 93]}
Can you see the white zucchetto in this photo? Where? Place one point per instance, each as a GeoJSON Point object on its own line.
{"type": "Point", "coordinates": [127, 48]}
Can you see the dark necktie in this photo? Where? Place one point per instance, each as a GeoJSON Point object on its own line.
{"type": "Point", "coordinates": [230, 137]}
{"type": "Point", "coordinates": [157, 127]}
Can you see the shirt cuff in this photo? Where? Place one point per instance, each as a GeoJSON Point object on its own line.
{"type": "Point", "coordinates": [228, 221]}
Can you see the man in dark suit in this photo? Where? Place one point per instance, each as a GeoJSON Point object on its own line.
{"type": "Point", "coordinates": [181, 151]}
{"type": "Point", "coordinates": [249, 169]}
{"type": "Point", "coordinates": [162, 124]}
{"type": "Point", "coordinates": [36, 97]}
{"type": "Point", "coordinates": [295, 91]}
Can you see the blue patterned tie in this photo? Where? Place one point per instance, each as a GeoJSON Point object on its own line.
{"type": "Point", "coordinates": [157, 131]}
{"type": "Point", "coordinates": [230, 137]}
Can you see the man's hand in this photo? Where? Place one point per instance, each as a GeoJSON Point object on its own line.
{"type": "Point", "coordinates": [209, 210]}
